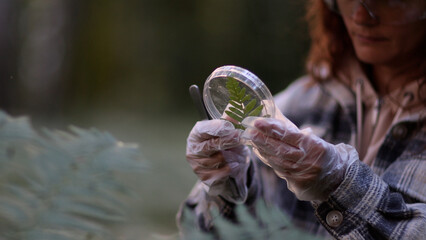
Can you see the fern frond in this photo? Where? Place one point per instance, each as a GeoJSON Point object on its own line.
{"type": "Point", "coordinates": [241, 103]}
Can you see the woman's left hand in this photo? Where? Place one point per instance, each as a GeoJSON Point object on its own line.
{"type": "Point", "coordinates": [312, 167]}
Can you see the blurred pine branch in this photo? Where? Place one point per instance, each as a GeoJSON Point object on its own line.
{"type": "Point", "coordinates": [267, 223]}
{"type": "Point", "coordinates": [60, 185]}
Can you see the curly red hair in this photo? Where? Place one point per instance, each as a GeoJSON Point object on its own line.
{"type": "Point", "coordinates": [330, 43]}
{"type": "Point", "coordinates": [329, 40]}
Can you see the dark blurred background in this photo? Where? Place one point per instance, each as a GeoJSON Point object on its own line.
{"type": "Point", "coordinates": [125, 67]}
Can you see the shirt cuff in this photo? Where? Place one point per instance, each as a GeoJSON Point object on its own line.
{"type": "Point", "coordinates": [355, 200]}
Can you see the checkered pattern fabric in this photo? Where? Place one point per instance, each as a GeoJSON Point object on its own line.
{"type": "Point", "coordinates": [384, 201]}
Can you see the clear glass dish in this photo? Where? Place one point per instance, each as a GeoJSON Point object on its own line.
{"type": "Point", "coordinates": [217, 95]}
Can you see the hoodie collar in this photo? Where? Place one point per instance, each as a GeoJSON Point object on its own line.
{"type": "Point", "coordinates": [405, 102]}
{"type": "Point", "coordinates": [353, 76]}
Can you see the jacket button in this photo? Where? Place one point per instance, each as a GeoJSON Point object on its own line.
{"type": "Point", "coordinates": [334, 218]}
{"type": "Point", "coordinates": [399, 131]}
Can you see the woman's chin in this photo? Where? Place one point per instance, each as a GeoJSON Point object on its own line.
{"type": "Point", "coordinates": [374, 57]}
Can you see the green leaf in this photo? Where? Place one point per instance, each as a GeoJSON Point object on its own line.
{"type": "Point", "coordinates": [246, 98]}
{"type": "Point", "coordinates": [250, 106]}
{"type": "Point", "coordinates": [234, 98]}
{"type": "Point", "coordinates": [237, 111]}
{"type": "Point", "coordinates": [232, 91]}
{"type": "Point", "coordinates": [256, 111]}
{"type": "Point", "coordinates": [236, 105]}
{"type": "Point", "coordinates": [234, 116]}
{"type": "Point", "coordinates": [238, 97]}
{"type": "Point", "coordinates": [242, 93]}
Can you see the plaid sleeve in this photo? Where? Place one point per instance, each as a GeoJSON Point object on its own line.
{"type": "Point", "coordinates": [366, 207]}
{"type": "Point", "coordinates": [197, 210]}
{"type": "Point", "coordinates": [198, 207]}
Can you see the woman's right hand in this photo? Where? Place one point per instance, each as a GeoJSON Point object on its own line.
{"type": "Point", "coordinates": [219, 159]}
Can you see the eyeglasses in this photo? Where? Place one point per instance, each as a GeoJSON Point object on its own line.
{"type": "Point", "coordinates": [387, 12]}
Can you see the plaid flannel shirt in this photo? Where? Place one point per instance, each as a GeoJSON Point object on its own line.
{"type": "Point", "coordinates": [384, 201]}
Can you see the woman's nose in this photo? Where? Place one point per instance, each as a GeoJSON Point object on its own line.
{"type": "Point", "coordinates": [363, 15]}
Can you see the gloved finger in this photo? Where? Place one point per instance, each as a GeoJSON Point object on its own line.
{"type": "Point", "coordinates": [305, 142]}
{"type": "Point", "coordinates": [214, 161]}
{"type": "Point", "coordinates": [278, 129]}
{"type": "Point", "coordinates": [209, 176]}
{"type": "Point", "coordinates": [297, 171]}
{"type": "Point", "coordinates": [284, 165]}
{"type": "Point", "coordinates": [208, 137]}
{"type": "Point", "coordinates": [277, 115]}
{"type": "Point", "coordinates": [261, 157]}
{"type": "Point", "coordinates": [314, 147]}
{"type": "Point", "coordinates": [212, 128]}
{"type": "Point", "coordinates": [267, 145]}
{"type": "Point", "coordinates": [210, 168]}
{"type": "Point", "coordinates": [212, 145]}
{"type": "Point", "coordinates": [236, 154]}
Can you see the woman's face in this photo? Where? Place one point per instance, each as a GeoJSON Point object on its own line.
{"type": "Point", "coordinates": [380, 44]}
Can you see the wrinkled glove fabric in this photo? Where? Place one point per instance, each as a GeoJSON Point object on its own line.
{"type": "Point", "coordinates": [217, 157]}
{"type": "Point", "coordinates": [312, 167]}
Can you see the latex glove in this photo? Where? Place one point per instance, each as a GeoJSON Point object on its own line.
{"type": "Point", "coordinates": [312, 167]}
{"type": "Point", "coordinates": [219, 159]}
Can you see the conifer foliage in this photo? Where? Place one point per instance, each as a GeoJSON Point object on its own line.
{"type": "Point", "coordinates": [265, 222]}
{"type": "Point", "coordinates": [58, 185]}
{"type": "Point", "coordinates": [61, 185]}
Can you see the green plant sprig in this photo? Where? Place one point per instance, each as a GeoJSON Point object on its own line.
{"type": "Point", "coordinates": [242, 104]}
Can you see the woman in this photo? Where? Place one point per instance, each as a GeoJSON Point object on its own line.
{"type": "Point", "coordinates": [357, 170]}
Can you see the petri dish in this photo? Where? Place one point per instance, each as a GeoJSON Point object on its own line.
{"type": "Point", "coordinates": [217, 96]}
